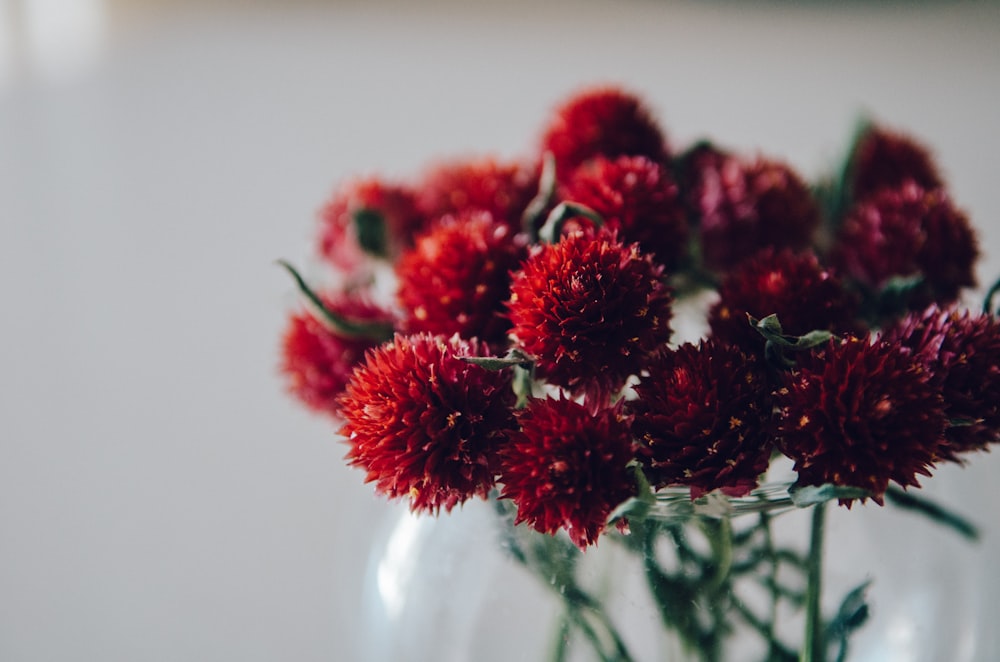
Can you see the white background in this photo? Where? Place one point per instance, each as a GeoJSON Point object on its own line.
{"type": "Point", "coordinates": [160, 497]}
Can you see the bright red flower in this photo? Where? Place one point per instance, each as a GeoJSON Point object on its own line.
{"type": "Point", "coordinates": [603, 121]}
{"type": "Point", "coordinates": [882, 158]}
{"type": "Point", "coordinates": [388, 212]}
{"type": "Point", "coordinates": [425, 424]}
{"type": "Point", "coordinates": [637, 197]}
{"type": "Point", "coordinates": [591, 310]}
{"type": "Point", "coordinates": [702, 419]}
{"type": "Point", "coordinates": [458, 187]}
{"type": "Point", "coordinates": [456, 278]}
{"type": "Point", "coordinates": [316, 362]}
{"type": "Point", "coordinates": [802, 293]}
{"type": "Point", "coordinates": [567, 467]}
{"type": "Point", "coordinates": [860, 414]}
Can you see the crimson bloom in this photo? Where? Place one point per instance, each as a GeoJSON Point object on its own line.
{"type": "Point", "coordinates": [702, 419]}
{"type": "Point", "coordinates": [484, 184]}
{"type": "Point", "coordinates": [456, 278]}
{"type": "Point", "coordinates": [860, 414]}
{"type": "Point", "coordinates": [316, 361]}
{"type": "Point", "coordinates": [567, 467]}
{"type": "Point", "coordinates": [591, 310]}
{"type": "Point", "coordinates": [882, 158]}
{"type": "Point", "coordinates": [425, 424]}
{"type": "Point", "coordinates": [602, 121]}
{"type": "Point", "coordinates": [638, 197]}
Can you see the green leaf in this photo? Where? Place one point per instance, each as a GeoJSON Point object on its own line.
{"type": "Point", "coordinates": [546, 192]}
{"type": "Point", "coordinates": [563, 212]}
{"type": "Point", "coordinates": [988, 308]}
{"type": "Point", "coordinates": [804, 496]}
{"type": "Point", "coordinates": [770, 328]}
{"type": "Point", "coordinates": [514, 357]}
{"type": "Point", "coordinates": [933, 511]}
{"type": "Point", "coordinates": [370, 226]}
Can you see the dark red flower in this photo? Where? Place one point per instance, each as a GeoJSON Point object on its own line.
{"type": "Point", "coordinates": [387, 212]}
{"type": "Point", "coordinates": [458, 187]}
{"type": "Point", "coordinates": [567, 468]}
{"type": "Point", "coordinates": [802, 293]}
{"type": "Point", "coordinates": [962, 354]}
{"type": "Point", "coordinates": [904, 232]}
{"type": "Point", "coordinates": [702, 419]}
{"type": "Point", "coordinates": [882, 158]}
{"type": "Point", "coordinates": [456, 279]}
{"type": "Point", "coordinates": [318, 362]}
{"type": "Point", "coordinates": [744, 207]}
{"type": "Point", "coordinates": [637, 197]}
{"type": "Point", "coordinates": [603, 121]}
{"type": "Point", "coordinates": [425, 424]}
{"type": "Point", "coordinates": [591, 310]}
{"type": "Point", "coordinates": [860, 414]}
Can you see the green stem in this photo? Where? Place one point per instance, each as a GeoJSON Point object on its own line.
{"type": "Point", "coordinates": [812, 647]}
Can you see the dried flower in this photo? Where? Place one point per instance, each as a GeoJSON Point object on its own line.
{"type": "Point", "coordinates": [603, 121]}
{"type": "Point", "coordinates": [425, 424]}
{"type": "Point", "coordinates": [802, 293]}
{"type": "Point", "coordinates": [882, 158]}
{"type": "Point", "coordinates": [702, 419]}
{"type": "Point", "coordinates": [637, 197]}
{"type": "Point", "coordinates": [461, 186]}
{"type": "Point", "coordinates": [456, 278]}
{"type": "Point", "coordinates": [591, 310]}
{"type": "Point", "coordinates": [316, 362]}
{"type": "Point", "coordinates": [567, 467]}
{"type": "Point", "coordinates": [860, 414]}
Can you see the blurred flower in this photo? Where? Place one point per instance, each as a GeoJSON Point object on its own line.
{"type": "Point", "coordinates": [882, 158]}
{"type": "Point", "coordinates": [860, 414]}
{"type": "Point", "coordinates": [457, 187]}
{"type": "Point", "coordinates": [702, 419]}
{"type": "Point", "coordinates": [456, 278]}
{"type": "Point", "coordinates": [567, 467]}
{"type": "Point", "coordinates": [591, 310]}
{"type": "Point", "coordinates": [425, 424]}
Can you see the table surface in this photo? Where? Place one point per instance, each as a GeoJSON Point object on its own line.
{"type": "Point", "coordinates": [160, 497]}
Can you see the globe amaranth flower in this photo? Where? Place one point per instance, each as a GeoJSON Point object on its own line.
{"type": "Point", "coordinates": [962, 353]}
{"type": "Point", "coordinates": [367, 217]}
{"type": "Point", "coordinates": [905, 232]}
{"type": "Point", "coordinates": [457, 187]}
{"type": "Point", "coordinates": [745, 206]}
{"type": "Point", "coordinates": [601, 121]}
{"type": "Point", "coordinates": [425, 424]}
{"type": "Point", "coordinates": [882, 158]}
{"type": "Point", "coordinates": [316, 361]}
{"type": "Point", "coordinates": [702, 419]}
{"type": "Point", "coordinates": [456, 278]}
{"type": "Point", "coordinates": [795, 286]}
{"type": "Point", "coordinates": [860, 414]}
{"type": "Point", "coordinates": [567, 467]}
{"type": "Point", "coordinates": [638, 197]}
{"type": "Point", "coordinates": [591, 310]}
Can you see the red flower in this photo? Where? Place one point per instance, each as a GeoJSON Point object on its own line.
{"type": "Point", "coordinates": [601, 122]}
{"type": "Point", "coordinates": [702, 419]}
{"type": "Point", "coordinates": [591, 310]}
{"type": "Point", "coordinates": [637, 197]}
{"type": "Point", "coordinates": [458, 187]}
{"type": "Point", "coordinates": [425, 424]}
{"type": "Point", "coordinates": [317, 362]}
{"type": "Point", "coordinates": [567, 468]}
{"type": "Point", "coordinates": [885, 159]}
{"type": "Point", "coordinates": [743, 207]}
{"type": "Point", "coordinates": [860, 414]}
{"type": "Point", "coordinates": [962, 353]}
{"type": "Point", "coordinates": [909, 231]}
{"type": "Point", "coordinates": [803, 294]}
{"type": "Point", "coordinates": [456, 278]}
{"type": "Point", "coordinates": [388, 212]}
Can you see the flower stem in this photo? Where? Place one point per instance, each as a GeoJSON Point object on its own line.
{"type": "Point", "coordinates": [812, 647]}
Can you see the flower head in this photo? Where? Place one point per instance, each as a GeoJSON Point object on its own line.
{"type": "Point", "coordinates": [591, 310]}
{"type": "Point", "coordinates": [425, 424]}
{"type": "Point", "coordinates": [567, 467]}
{"type": "Point", "coordinates": [860, 414]}
{"type": "Point", "coordinates": [804, 295]}
{"type": "Point", "coordinates": [459, 187]}
{"type": "Point", "coordinates": [702, 419]}
{"type": "Point", "coordinates": [637, 197]}
{"type": "Point", "coordinates": [601, 122]}
{"type": "Point", "coordinates": [882, 158]}
{"type": "Point", "coordinates": [456, 278]}
{"type": "Point", "coordinates": [317, 362]}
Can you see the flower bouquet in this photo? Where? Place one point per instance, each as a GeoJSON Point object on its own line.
{"type": "Point", "coordinates": [619, 343]}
